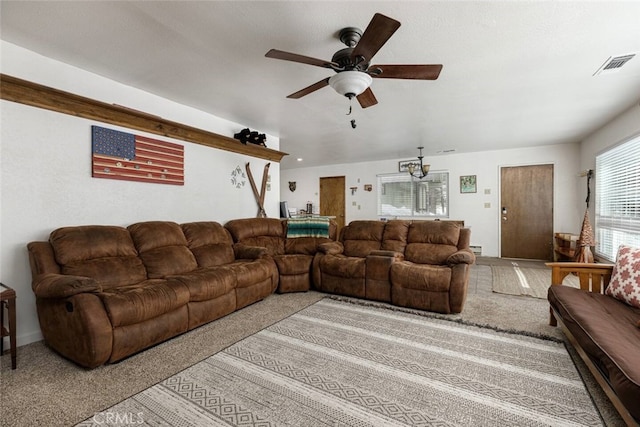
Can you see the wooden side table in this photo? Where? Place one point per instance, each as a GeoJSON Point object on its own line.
{"type": "Point", "coordinates": [8, 300]}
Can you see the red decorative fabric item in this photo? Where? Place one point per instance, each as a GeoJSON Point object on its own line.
{"type": "Point", "coordinates": [625, 278]}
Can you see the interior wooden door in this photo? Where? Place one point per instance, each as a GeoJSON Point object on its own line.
{"type": "Point", "coordinates": [332, 198]}
{"type": "Point", "coordinates": [526, 212]}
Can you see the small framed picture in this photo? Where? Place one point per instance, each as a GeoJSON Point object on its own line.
{"type": "Point", "coordinates": [403, 165]}
{"type": "Point", "coordinates": [468, 184]}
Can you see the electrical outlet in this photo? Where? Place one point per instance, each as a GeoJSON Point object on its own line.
{"type": "Point", "coordinates": [487, 191]}
{"type": "Point", "coordinates": [354, 203]}
{"type": "Point", "coordinates": [487, 205]}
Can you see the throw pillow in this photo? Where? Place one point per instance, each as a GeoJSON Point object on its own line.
{"type": "Point", "coordinates": [625, 278]}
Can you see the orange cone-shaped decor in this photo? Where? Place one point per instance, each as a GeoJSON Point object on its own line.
{"type": "Point", "coordinates": [585, 241]}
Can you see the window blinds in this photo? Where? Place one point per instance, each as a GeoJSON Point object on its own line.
{"type": "Point", "coordinates": [401, 195]}
{"type": "Point", "coordinates": [618, 198]}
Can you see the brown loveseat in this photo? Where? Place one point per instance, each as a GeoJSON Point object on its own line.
{"type": "Point", "coordinates": [106, 292]}
{"type": "Point", "coordinates": [604, 331]}
{"type": "Point", "coordinates": [417, 264]}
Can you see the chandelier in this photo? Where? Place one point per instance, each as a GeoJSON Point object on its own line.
{"type": "Point", "coordinates": [422, 171]}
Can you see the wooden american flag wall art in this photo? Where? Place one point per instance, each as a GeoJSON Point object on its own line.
{"type": "Point", "coordinates": [129, 157]}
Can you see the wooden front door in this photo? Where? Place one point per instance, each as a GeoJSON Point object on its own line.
{"type": "Point", "coordinates": [332, 199]}
{"type": "Point", "coordinates": [526, 212]}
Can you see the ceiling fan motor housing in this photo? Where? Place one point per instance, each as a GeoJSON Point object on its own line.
{"type": "Point", "coordinates": [347, 63]}
{"type": "Point", "coordinates": [350, 36]}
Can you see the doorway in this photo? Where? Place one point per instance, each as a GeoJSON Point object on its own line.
{"type": "Point", "coordinates": [332, 199]}
{"type": "Point", "coordinates": [526, 212]}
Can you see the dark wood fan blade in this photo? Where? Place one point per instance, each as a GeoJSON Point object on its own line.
{"type": "Point", "coordinates": [294, 57]}
{"type": "Point", "coordinates": [367, 98]}
{"type": "Point", "coordinates": [417, 72]}
{"type": "Point", "coordinates": [307, 90]}
{"type": "Point", "coordinates": [379, 30]}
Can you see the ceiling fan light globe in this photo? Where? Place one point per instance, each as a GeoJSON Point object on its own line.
{"type": "Point", "coordinates": [350, 83]}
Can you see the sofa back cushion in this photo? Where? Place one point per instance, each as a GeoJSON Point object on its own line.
{"type": "Point", "coordinates": [264, 232]}
{"type": "Point", "coordinates": [104, 253]}
{"type": "Point", "coordinates": [395, 235]}
{"type": "Point", "coordinates": [210, 243]}
{"type": "Point", "coordinates": [163, 248]}
{"type": "Point", "coordinates": [432, 242]}
{"type": "Point", "coordinates": [361, 237]}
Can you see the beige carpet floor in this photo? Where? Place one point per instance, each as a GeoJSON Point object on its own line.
{"type": "Point", "coordinates": [49, 390]}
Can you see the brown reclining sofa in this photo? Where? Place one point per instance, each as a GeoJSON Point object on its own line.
{"type": "Point", "coordinates": [106, 292]}
{"type": "Point", "coordinates": [417, 264]}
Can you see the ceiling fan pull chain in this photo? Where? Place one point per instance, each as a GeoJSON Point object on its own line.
{"type": "Point", "coordinates": [350, 106]}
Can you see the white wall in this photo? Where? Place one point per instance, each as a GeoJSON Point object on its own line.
{"type": "Point", "coordinates": [45, 177]}
{"type": "Point", "coordinates": [470, 207]}
{"type": "Point", "coordinates": [622, 128]}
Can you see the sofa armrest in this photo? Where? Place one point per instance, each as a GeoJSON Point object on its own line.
{"type": "Point", "coordinates": [331, 248]}
{"type": "Point", "coordinates": [242, 251]}
{"type": "Point", "coordinates": [593, 277]}
{"type": "Point", "coordinates": [51, 285]}
{"type": "Point", "coordinates": [463, 256]}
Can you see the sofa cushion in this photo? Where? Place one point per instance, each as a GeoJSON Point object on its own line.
{"type": "Point", "coordinates": [264, 232]}
{"type": "Point", "coordinates": [104, 253]}
{"type": "Point", "coordinates": [395, 235]}
{"type": "Point", "coordinates": [340, 266]}
{"type": "Point", "coordinates": [432, 242]}
{"type": "Point", "coordinates": [361, 237]}
{"type": "Point", "coordinates": [208, 283]}
{"type": "Point", "coordinates": [432, 278]}
{"type": "Point", "coordinates": [251, 272]}
{"type": "Point", "coordinates": [209, 242]}
{"type": "Point", "coordinates": [293, 263]}
{"type": "Point", "coordinates": [163, 248]}
{"type": "Point", "coordinates": [127, 305]}
{"type": "Point", "coordinates": [625, 278]}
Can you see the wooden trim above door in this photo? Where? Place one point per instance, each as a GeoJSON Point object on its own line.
{"type": "Point", "coordinates": [36, 95]}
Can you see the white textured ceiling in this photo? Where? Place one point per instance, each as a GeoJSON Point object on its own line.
{"type": "Point", "coordinates": [516, 73]}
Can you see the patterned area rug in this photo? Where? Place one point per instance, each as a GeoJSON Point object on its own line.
{"type": "Point", "coordinates": [341, 364]}
{"type": "Point", "coordinates": [517, 280]}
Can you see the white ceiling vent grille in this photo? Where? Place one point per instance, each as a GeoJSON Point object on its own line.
{"type": "Point", "coordinates": [614, 63]}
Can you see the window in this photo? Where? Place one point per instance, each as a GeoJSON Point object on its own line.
{"type": "Point", "coordinates": [403, 195]}
{"type": "Point", "coordinates": [618, 198]}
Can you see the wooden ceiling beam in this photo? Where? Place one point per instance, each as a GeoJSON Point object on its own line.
{"type": "Point", "coordinates": [36, 95]}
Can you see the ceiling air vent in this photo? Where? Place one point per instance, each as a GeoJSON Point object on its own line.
{"type": "Point", "coordinates": [614, 63]}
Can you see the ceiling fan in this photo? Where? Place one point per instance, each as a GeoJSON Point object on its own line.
{"type": "Point", "coordinates": [352, 64]}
